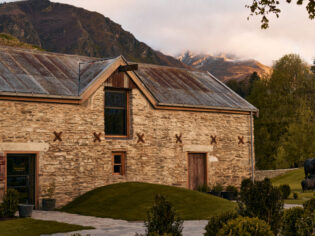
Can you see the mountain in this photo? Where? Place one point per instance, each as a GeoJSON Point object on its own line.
{"type": "Point", "coordinates": [67, 29]}
{"type": "Point", "coordinates": [225, 67]}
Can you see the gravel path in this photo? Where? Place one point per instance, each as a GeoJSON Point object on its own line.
{"type": "Point", "coordinates": [110, 227]}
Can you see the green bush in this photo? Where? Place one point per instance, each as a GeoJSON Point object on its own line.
{"type": "Point", "coordinates": [10, 203]}
{"type": "Point", "coordinates": [232, 189]}
{"type": "Point", "coordinates": [285, 190]}
{"type": "Point", "coordinates": [161, 219]}
{"type": "Point", "coordinates": [262, 200]}
{"type": "Point", "coordinates": [217, 188]}
{"type": "Point", "coordinates": [203, 188]}
{"type": "Point", "coordinates": [295, 196]}
{"type": "Point", "coordinates": [289, 221]}
{"type": "Point", "coordinates": [306, 224]}
{"type": "Point", "coordinates": [245, 226]}
{"type": "Point", "coordinates": [215, 223]}
{"type": "Point", "coordinates": [1, 211]}
{"type": "Point", "coordinates": [309, 205]}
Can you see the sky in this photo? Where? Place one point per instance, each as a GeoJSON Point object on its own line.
{"type": "Point", "coordinates": [210, 27]}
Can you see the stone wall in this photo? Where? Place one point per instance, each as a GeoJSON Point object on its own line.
{"type": "Point", "coordinates": [77, 164]}
{"type": "Point", "coordinates": [262, 174]}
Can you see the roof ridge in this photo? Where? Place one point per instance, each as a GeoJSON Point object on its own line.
{"type": "Point", "coordinates": [171, 67]}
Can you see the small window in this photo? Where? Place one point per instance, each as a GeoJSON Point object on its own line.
{"type": "Point", "coordinates": [118, 163]}
{"type": "Point", "coordinates": [116, 112]}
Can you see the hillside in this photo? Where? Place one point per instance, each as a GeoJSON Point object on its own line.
{"type": "Point", "coordinates": [225, 67]}
{"type": "Point", "coordinates": [9, 40]}
{"type": "Point", "coordinates": [67, 29]}
{"type": "Point", "coordinates": [110, 202]}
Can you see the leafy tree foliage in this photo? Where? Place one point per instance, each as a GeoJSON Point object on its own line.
{"type": "Point", "coordinates": [245, 86]}
{"type": "Point", "coordinates": [285, 129]}
{"type": "Point", "coordinates": [265, 7]}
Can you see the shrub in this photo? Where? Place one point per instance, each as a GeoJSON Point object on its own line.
{"type": "Point", "coordinates": [232, 189]}
{"type": "Point", "coordinates": [245, 226]}
{"type": "Point", "coordinates": [262, 200]}
{"type": "Point", "coordinates": [161, 219]}
{"type": "Point", "coordinates": [289, 220]}
{"type": "Point", "coordinates": [309, 205]}
{"type": "Point", "coordinates": [10, 203]}
{"type": "Point", "coordinates": [215, 223]}
{"type": "Point", "coordinates": [217, 188]}
{"type": "Point", "coordinates": [285, 190]}
{"type": "Point", "coordinates": [1, 211]}
{"type": "Point", "coordinates": [295, 196]}
{"type": "Point", "coordinates": [306, 224]}
{"type": "Point", "coordinates": [203, 188]}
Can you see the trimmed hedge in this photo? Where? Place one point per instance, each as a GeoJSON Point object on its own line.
{"type": "Point", "coordinates": [245, 226]}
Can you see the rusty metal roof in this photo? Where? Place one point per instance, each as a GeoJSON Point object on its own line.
{"type": "Point", "coordinates": [38, 72]}
{"type": "Point", "coordinates": [189, 88]}
{"type": "Point", "coordinates": [35, 72]}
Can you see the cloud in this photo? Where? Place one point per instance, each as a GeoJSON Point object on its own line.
{"type": "Point", "coordinates": [210, 26]}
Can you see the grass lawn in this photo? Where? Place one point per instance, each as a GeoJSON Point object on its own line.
{"type": "Point", "coordinates": [31, 227]}
{"type": "Point", "coordinates": [294, 178]}
{"type": "Point", "coordinates": [130, 201]}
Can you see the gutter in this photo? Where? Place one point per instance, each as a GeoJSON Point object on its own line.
{"type": "Point", "coordinates": [75, 100]}
{"type": "Point", "coordinates": [208, 107]}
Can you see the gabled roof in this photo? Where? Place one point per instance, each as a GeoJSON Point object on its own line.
{"type": "Point", "coordinates": [183, 88]}
{"type": "Point", "coordinates": [38, 72]}
{"type": "Point", "coordinates": [28, 74]}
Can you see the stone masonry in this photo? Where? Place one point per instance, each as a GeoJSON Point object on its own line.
{"type": "Point", "coordinates": [77, 164]}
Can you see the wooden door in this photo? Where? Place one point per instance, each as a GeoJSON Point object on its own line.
{"type": "Point", "coordinates": [197, 170]}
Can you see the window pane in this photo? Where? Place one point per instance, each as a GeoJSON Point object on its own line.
{"type": "Point", "coordinates": [115, 99]}
{"type": "Point", "coordinates": [117, 159]}
{"type": "Point", "coordinates": [117, 169]}
{"type": "Point", "coordinates": [115, 121]}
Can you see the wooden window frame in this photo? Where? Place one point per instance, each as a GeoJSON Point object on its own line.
{"type": "Point", "coordinates": [122, 164]}
{"type": "Point", "coordinates": [127, 92]}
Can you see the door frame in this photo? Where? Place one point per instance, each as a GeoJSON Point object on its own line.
{"type": "Point", "coordinates": [36, 171]}
{"type": "Point", "coordinates": [188, 167]}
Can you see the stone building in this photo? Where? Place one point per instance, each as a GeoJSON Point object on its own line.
{"type": "Point", "coordinates": [80, 123]}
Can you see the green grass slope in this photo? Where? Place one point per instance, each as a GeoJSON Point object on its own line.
{"type": "Point", "coordinates": [31, 227]}
{"type": "Point", "coordinates": [9, 40]}
{"type": "Point", "coordinates": [130, 201]}
{"type": "Point", "coordinates": [293, 179]}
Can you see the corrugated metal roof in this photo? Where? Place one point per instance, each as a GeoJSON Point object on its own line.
{"type": "Point", "coordinates": [182, 87]}
{"type": "Point", "coordinates": [43, 73]}
{"type": "Point", "coordinates": [38, 72]}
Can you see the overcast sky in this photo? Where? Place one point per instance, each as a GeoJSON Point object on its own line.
{"type": "Point", "coordinates": [210, 26]}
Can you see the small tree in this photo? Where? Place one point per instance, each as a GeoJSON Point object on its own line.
{"type": "Point", "coordinates": [262, 200]}
{"type": "Point", "coordinates": [161, 219]}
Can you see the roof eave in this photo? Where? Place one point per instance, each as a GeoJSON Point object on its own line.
{"type": "Point", "coordinates": [209, 108]}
